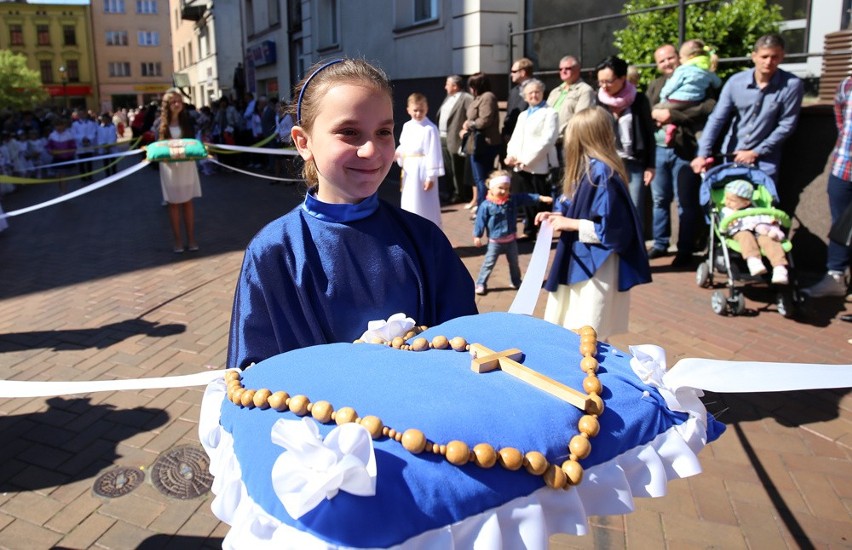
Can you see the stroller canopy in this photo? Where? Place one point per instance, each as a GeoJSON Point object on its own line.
{"type": "Point", "coordinates": [718, 177]}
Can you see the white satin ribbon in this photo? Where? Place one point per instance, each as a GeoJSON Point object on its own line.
{"type": "Point", "coordinates": [127, 153]}
{"type": "Point", "coordinates": [82, 191]}
{"type": "Point", "coordinates": [248, 173]}
{"type": "Point", "coordinates": [32, 388]}
{"type": "Point", "coordinates": [527, 296]}
{"type": "Point", "coordinates": [312, 469]}
{"type": "Point", "coordinates": [244, 149]}
{"type": "Point", "coordinates": [396, 325]}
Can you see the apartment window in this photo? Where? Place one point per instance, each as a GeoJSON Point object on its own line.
{"type": "Point", "coordinates": [72, 68]}
{"type": "Point", "coordinates": [116, 38]}
{"type": "Point", "coordinates": [16, 35]}
{"type": "Point", "coordinates": [146, 6]}
{"type": "Point", "coordinates": [249, 17]}
{"type": "Point", "coordinates": [327, 20]}
{"type": "Point", "coordinates": [69, 35]}
{"type": "Point", "coordinates": [190, 61]}
{"type": "Point", "coordinates": [294, 17]}
{"type": "Point", "coordinates": [43, 35]}
{"type": "Point", "coordinates": [151, 69]}
{"type": "Point", "coordinates": [274, 10]}
{"type": "Point", "coordinates": [113, 6]}
{"type": "Point", "coordinates": [148, 38]}
{"type": "Point", "coordinates": [45, 67]}
{"type": "Point", "coordinates": [119, 68]}
{"type": "Point", "coordinates": [425, 10]}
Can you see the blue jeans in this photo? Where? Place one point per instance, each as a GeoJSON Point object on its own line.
{"type": "Point", "coordinates": [675, 179]}
{"type": "Point", "coordinates": [839, 198]}
{"type": "Point", "coordinates": [636, 187]}
{"type": "Point", "coordinates": [482, 164]}
{"type": "Point", "coordinates": [494, 250]}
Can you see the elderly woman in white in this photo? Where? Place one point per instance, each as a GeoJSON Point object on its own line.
{"type": "Point", "coordinates": [531, 150]}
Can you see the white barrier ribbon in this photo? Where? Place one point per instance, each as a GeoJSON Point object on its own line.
{"type": "Point", "coordinates": [82, 191]}
{"type": "Point", "coordinates": [312, 469]}
{"type": "Point", "coordinates": [243, 149]}
{"type": "Point", "coordinates": [33, 388]}
{"type": "Point", "coordinates": [527, 296]}
{"type": "Point", "coordinates": [396, 325]}
{"type": "Point", "coordinates": [255, 174]}
{"type": "Point", "coordinates": [127, 153]}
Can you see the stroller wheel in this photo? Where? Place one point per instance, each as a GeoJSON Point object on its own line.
{"type": "Point", "coordinates": [785, 304]}
{"type": "Point", "coordinates": [719, 303]}
{"type": "Point", "coordinates": [702, 274]}
{"type": "Point", "coordinates": [739, 303]}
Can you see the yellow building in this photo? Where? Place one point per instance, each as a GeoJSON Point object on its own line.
{"type": "Point", "coordinates": [56, 41]}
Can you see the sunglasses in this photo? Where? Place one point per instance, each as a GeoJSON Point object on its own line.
{"type": "Point", "coordinates": [566, 69]}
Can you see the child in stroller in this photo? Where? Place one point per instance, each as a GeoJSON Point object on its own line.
{"type": "Point", "coordinates": [745, 223]}
{"type": "Point", "coordinates": [754, 232]}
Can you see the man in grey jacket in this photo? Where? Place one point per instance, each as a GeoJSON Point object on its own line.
{"type": "Point", "coordinates": [451, 115]}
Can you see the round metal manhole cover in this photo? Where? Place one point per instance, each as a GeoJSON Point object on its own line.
{"type": "Point", "coordinates": [118, 482]}
{"type": "Point", "coordinates": [182, 472]}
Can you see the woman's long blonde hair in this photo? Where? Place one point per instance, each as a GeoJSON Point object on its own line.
{"type": "Point", "coordinates": [591, 134]}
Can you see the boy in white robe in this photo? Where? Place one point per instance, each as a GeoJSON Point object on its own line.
{"type": "Point", "coordinates": [419, 155]}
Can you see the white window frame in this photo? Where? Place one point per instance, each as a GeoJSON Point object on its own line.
{"type": "Point", "coordinates": [428, 5]}
{"type": "Point", "coordinates": [328, 24]}
{"type": "Point", "coordinates": [151, 68]}
{"type": "Point", "coordinates": [113, 6]}
{"type": "Point", "coordinates": [148, 38]}
{"type": "Point", "coordinates": [117, 38]}
{"type": "Point", "coordinates": [119, 69]}
{"type": "Point", "coordinates": [146, 7]}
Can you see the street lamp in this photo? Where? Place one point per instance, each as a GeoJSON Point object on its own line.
{"type": "Point", "coordinates": [63, 76]}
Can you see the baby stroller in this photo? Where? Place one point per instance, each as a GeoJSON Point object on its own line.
{"type": "Point", "coordinates": [724, 252]}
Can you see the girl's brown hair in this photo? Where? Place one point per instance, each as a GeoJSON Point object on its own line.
{"type": "Point", "coordinates": [184, 120]}
{"type": "Point", "coordinates": [591, 134]}
{"type": "Point", "coordinates": [347, 71]}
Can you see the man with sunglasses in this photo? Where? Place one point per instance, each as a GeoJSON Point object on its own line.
{"type": "Point", "coordinates": [572, 96]}
{"type": "Point", "coordinates": [521, 72]}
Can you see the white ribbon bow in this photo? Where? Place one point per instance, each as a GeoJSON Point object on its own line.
{"type": "Point", "coordinates": [313, 469]}
{"type": "Point", "coordinates": [396, 325]}
{"type": "Point", "coordinates": [649, 364]}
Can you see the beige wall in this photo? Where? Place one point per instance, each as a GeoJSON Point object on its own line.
{"type": "Point", "coordinates": [140, 88]}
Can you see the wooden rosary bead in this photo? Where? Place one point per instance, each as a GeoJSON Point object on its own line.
{"type": "Point", "coordinates": [397, 342]}
{"type": "Point", "coordinates": [410, 334]}
{"type": "Point", "coordinates": [299, 404]}
{"type": "Point", "coordinates": [589, 365]}
{"type": "Point", "coordinates": [436, 449]}
{"type": "Point", "coordinates": [535, 463]}
{"type": "Point", "coordinates": [442, 450]}
{"type": "Point", "coordinates": [247, 398]}
{"type": "Point", "coordinates": [458, 453]}
{"type": "Point", "coordinates": [261, 398]}
{"type": "Point", "coordinates": [589, 425]}
{"type": "Point", "coordinates": [596, 407]}
{"type": "Point", "coordinates": [588, 338]}
{"type": "Point", "coordinates": [554, 477]}
{"type": "Point", "coordinates": [580, 446]}
{"type": "Point", "coordinates": [232, 375]}
{"type": "Point", "coordinates": [440, 342]}
{"type": "Point", "coordinates": [373, 425]}
{"type": "Point", "coordinates": [345, 415]}
{"type": "Point", "coordinates": [573, 471]}
{"type": "Point", "coordinates": [458, 344]}
{"type": "Point", "coordinates": [587, 329]}
{"type": "Point", "coordinates": [588, 349]}
{"type": "Point", "coordinates": [484, 455]}
{"type": "Point", "coordinates": [322, 411]}
{"type": "Point", "coordinates": [278, 400]}
{"type": "Point", "coordinates": [420, 344]}
{"type": "Point", "coordinates": [396, 436]}
{"type": "Point", "coordinates": [237, 395]}
{"type": "Point", "coordinates": [592, 385]}
{"type": "Point", "coordinates": [510, 458]}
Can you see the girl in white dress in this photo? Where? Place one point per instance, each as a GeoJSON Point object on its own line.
{"type": "Point", "coordinates": [419, 155]}
{"type": "Point", "coordinates": [179, 180]}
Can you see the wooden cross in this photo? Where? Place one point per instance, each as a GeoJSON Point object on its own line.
{"type": "Point", "coordinates": [486, 360]}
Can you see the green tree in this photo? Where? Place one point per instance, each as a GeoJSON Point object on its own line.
{"type": "Point", "coordinates": [20, 87]}
{"type": "Point", "coordinates": [730, 27]}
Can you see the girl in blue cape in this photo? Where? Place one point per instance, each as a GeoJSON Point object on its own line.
{"type": "Point", "coordinates": [600, 255]}
{"type": "Point", "coordinates": [321, 272]}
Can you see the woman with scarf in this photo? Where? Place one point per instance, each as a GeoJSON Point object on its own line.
{"type": "Point", "coordinates": [531, 150]}
{"type": "Point", "coordinates": [601, 254]}
{"type": "Point", "coordinates": [634, 127]}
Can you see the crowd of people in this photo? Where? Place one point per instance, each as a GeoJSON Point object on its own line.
{"type": "Point", "coordinates": [549, 168]}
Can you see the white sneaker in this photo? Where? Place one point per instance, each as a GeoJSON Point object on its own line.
{"type": "Point", "coordinates": [779, 275]}
{"type": "Point", "coordinates": [755, 266]}
{"type": "Point", "coordinates": [833, 284]}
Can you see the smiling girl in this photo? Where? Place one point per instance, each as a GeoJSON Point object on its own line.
{"type": "Point", "coordinates": [321, 272]}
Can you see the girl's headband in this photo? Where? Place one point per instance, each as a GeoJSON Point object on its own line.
{"type": "Point", "coordinates": [497, 180]}
{"type": "Point", "coordinates": [305, 87]}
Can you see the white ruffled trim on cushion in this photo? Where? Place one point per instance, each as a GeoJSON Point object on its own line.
{"type": "Point", "coordinates": [607, 489]}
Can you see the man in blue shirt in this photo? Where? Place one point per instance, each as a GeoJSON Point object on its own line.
{"type": "Point", "coordinates": [761, 105]}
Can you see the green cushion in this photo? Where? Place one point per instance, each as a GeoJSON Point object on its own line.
{"type": "Point", "coordinates": [175, 150]}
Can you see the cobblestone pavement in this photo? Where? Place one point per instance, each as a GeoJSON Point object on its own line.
{"type": "Point", "coordinates": [90, 289]}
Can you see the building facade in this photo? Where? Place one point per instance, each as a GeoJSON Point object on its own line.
{"type": "Point", "coordinates": [132, 51]}
{"type": "Point", "coordinates": [57, 42]}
